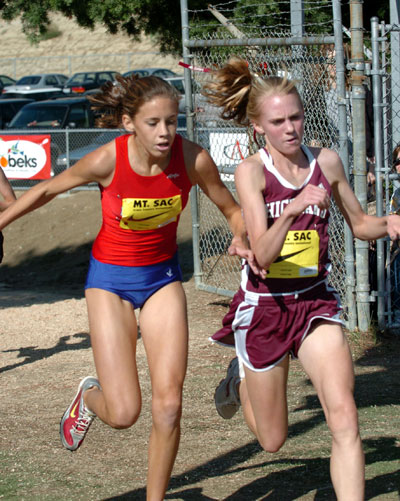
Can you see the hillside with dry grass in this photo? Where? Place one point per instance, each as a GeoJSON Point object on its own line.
{"type": "Point", "coordinates": [69, 48]}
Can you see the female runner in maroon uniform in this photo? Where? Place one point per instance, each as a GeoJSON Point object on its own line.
{"type": "Point", "coordinates": [144, 178]}
{"type": "Point", "coordinates": [285, 192]}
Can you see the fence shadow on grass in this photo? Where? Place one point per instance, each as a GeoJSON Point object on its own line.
{"type": "Point", "coordinates": [297, 477]}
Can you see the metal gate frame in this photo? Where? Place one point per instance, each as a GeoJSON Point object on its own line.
{"type": "Point", "coordinates": [386, 98]}
{"type": "Point", "coordinates": [349, 298]}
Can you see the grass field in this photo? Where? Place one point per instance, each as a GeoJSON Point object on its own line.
{"type": "Point", "coordinates": [45, 351]}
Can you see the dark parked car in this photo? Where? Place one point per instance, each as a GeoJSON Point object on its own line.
{"type": "Point", "coordinates": [74, 155]}
{"type": "Point", "coordinates": [5, 81]}
{"type": "Point", "coordinates": [9, 108]}
{"type": "Point", "coordinates": [145, 72]}
{"type": "Point", "coordinates": [83, 81]}
{"type": "Point", "coordinates": [59, 113]}
{"type": "Point", "coordinates": [52, 117]}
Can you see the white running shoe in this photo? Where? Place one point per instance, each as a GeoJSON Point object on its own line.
{"type": "Point", "coordinates": [226, 396]}
{"type": "Point", "coordinates": [77, 418]}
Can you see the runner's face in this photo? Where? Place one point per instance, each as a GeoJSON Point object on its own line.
{"type": "Point", "coordinates": [397, 164]}
{"type": "Point", "coordinates": [154, 125]}
{"type": "Point", "coordinates": [282, 121]}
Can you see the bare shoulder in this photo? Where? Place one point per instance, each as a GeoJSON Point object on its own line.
{"type": "Point", "coordinates": [330, 163]}
{"type": "Point", "coordinates": [253, 163]}
{"type": "Point", "coordinates": [251, 170]}
{"type": "Point", "coordinates": [200, 167]}
{"type": "Point", "coordinates": [192, 152]}
{"type": "Point", "coordinates": [99, 164]}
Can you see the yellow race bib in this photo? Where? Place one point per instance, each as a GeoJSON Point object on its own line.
{"type": "Point", "coordinates": [299, 256]}
{"type": "Point", "coordinates": [149, 213]}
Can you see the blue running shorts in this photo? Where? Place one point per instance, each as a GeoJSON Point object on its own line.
{"type": "Point", "coordinates": [133, 283]}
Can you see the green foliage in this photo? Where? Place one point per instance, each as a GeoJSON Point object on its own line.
{"type": "Point", "coordinates": [162, 18]}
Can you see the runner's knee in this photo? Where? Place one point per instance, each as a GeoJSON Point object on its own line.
{"type": "Point", "coordinates": [342, 420]}
{"type": "Point", "coordinates": [272, 441]}
{"type": "Point", "coordinates": [123, 415]}
{"type": "Point", "coordinates": [167, 410]}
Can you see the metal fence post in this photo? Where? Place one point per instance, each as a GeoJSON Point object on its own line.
{"type": "Point", "coordinates": [194, 204]}
{"type": "Point", "coordinates": [344, 155]}
{"type": "Point", "coordinates": [395, 75]}
{"type": "Point", "coordinates": [359, 156]}
{"type": "Point", "coordinates": [379, 169]}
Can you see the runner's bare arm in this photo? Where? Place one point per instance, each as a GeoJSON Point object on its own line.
{"type": "Point", "coordinates": [97, 166]}
{"type": "Point", "coordinates": [6, 191]}
{"type": "Point", "coordinates": [363, 226]}
{"type": "Point", "coordinates": [203, 172]}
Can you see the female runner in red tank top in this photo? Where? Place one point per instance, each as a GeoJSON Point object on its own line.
{"type": "Point", "coordinates": [284, 191]}
{"type": "Point", "coordinates": [8, 197]}
{"type": "Point", "coordinates": [144, 178]}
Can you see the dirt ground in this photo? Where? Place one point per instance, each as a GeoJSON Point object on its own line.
{"type": "Point", "coordinates": [45, 351]}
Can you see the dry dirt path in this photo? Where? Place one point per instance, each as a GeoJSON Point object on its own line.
{"type": "Point", "coordinates": [45, 352]}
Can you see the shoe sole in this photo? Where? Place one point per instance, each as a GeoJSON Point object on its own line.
{"type": "Point", "coordinates": [215, 402]}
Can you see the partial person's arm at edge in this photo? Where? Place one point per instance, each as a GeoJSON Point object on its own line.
{"type": "Point", "coordinates": [203, 172]}
{"type": "Point", "coordinates": [94, 167]}
{"type": "Point", "coordinates": [362, 225]}
{"type": "Point", "coordinates": [6, 191]}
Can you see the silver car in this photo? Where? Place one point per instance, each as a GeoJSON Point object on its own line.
{"type": "Point", "coordinates": [39, 81]}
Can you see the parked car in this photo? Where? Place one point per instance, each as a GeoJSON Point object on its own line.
{"type": "Point", "coordinates": [39, 81]}
{"type": "Point", "coordinates": [53, 117]}
{"type": "Point", "coordinates": [74, 155]}
{"type": "Point", "coordinates": [35, 94]}
{"type": "Point", "coordinates": [9, 108]}
{"type": "Point", "coordinates": [5, 81]}
{"type": "Point", "coordinates": [105, 137]}
{"type": "Point", "coordinates": [84, 81]}
{"type": "Point", "coordinates": [178, 83]}
{"type": "Point", "coordinates": [200, 104]}
{"type": "Point", "coordinates": [56, 113]}
{"type": "Point", "coordinates": [145, 72]}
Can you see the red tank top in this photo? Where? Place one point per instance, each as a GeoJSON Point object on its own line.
{"type": "Point", "coordinates": [304, 259]}
{"type": "Point", "coordinates": [141, 213]}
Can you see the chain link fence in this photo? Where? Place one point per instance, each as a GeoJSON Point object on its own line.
{"type": "Point", "coordinates": [18, 67]}
{"type": "Point", "coordinates": [386, 90]}
{"type": "Point", "coordinates": [312, 65]}
{"type": "Point", "coordinates": [67, 146]}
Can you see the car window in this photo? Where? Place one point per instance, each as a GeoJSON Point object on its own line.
{"type": "Point", "coordinates": [163, 73]}
{"type": "Point", "coordinates": [51, 80]}
{"type": "Point", "coordinates": [7, 81]}
{"type": "Point", "coordinates": [178, 84]}
{"type": "Point", "coordinates": [30, 80]}
{"type": "Point", "coordinates": [62, 78]}
{"type": "Point", "coordinates": [79, 115]}
{"type": "Point", "coordinates": [79, 78]}
{"type": "Point", "coordinates": [39, 117]}
{"type": "Point", "coordinates": [104, 77]}
{"type": "Point", "coordinates": [7, 112]}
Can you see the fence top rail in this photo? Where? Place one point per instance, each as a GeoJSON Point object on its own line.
{"type": "Point", "coordinates": [256, 42]}
{"type": "Point", "coordinates": [82, 56]}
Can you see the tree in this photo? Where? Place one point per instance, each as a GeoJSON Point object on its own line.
{"type": "Point", "coordinates": [160, 19]}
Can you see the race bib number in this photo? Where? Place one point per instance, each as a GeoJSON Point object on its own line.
{"type": "Point", "coordinates": [299, 256]}
{"type": "Point", "coordinates": [149, 213]}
